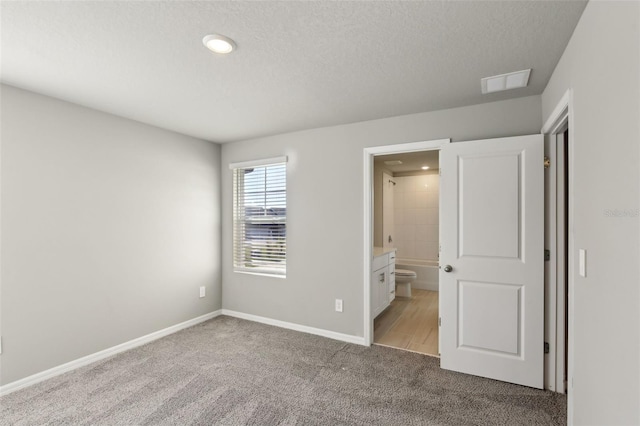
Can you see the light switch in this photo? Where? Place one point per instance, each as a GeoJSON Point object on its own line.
{"type": "Point", "coordinates": [582, 262]}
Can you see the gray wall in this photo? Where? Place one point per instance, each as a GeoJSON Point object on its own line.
{"type": "Point", "coordinates": [108, 229]}
{"type": "Point", "coordinates": [325, 212]}
{"type": "Point", "coordinates": [600, 64]}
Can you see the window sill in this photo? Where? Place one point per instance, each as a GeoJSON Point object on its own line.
{"type": "Point", "coordinates": [260, 273]}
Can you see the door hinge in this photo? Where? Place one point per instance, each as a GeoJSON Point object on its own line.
{"type": "Point", "coordinates": [439, 172]}
{"type": "Point", "coordinates": [547, 162]}
{"type": "Point", "coordinates": [546, 347]}
{"type": "Point", "coordinates": [439, 321]}
{"type": "Point", "coordinates": [547, 255]}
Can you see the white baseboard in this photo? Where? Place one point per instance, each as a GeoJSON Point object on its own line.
{"type": "Point", "coordinates": [425, 285]}
{"type": "Point", "coordinates": [297, 327]}
{"type": "Point", "coordinates": [81, 362]}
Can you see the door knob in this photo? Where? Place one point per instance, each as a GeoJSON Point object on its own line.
{"type": "Point", "coordinates": [448, 268]}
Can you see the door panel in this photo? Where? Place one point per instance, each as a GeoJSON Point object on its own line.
{"type": "Point", "coordinates": [490, 306]}
{"type": "Point", "coordinates": [491, 227]}
{"type": "Point", "coordinates": [503, 206]}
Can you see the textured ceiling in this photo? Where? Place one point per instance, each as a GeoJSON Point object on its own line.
{"type": "Point", "coordinates": [411, 161]}
{"type": "Point", "coordinates": [298, 65]}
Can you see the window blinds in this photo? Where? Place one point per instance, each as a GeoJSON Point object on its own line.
{"type": "Point", "coordinates": [260, 218]}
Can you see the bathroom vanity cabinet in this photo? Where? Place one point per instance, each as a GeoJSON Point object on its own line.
{"type": "Point", "coordinates": [383, 282]}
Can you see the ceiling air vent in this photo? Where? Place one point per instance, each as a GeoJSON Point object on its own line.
{"type": "Point", "coordinates": [512, 80]}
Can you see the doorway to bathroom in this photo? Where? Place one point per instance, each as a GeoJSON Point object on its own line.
{"type": "Point", "coordinates": [491, 313]}
{"type": "Point", "coordinates": [405, 223]}
{"type": "Point", "coordinates": [494, 311]}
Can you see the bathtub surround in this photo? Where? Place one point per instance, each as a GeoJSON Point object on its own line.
{"type": "Point", "coordinates": [378, 171]}
{"type": "Point", "coordinates": [416, 205]}
{"type": "Point", "coordinates": [416, 220]}
{"type": "Point", "coordinates": [388, 223]}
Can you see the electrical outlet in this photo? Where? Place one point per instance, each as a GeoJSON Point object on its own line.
{"type": "Point", "coordinates": [338, 305]}
{"type": "Point", "coordinates": [202, 291]}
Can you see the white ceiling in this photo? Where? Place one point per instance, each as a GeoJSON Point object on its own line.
{"type": "Point", "coordinates": [298, 65]}
{"type": "Point", "coordinates": [411, 161]}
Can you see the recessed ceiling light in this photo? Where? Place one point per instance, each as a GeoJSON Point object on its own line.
{"type": "Point", "coordinates": [512, 80]}
{"type": "Point", "coordinates": [393, 162]}
{"type": "Point", "coordinates": [425, 167]}
{"type": "Point", "coordinates": [219, 44]}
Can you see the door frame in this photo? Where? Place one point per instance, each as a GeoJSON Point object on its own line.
{"type": "Point", "coordinates": [368, 155]}
{"type": "Point", "coordinates": [558, 121]}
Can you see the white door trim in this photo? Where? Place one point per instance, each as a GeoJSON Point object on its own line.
{"type": "Point", "coordinates": [560, 263]}
{"type": "Point", "coordinates": [368, 155]}
{"type": "Point", "coordinates": [562, 116]}
{"type": "Point", "coordinates": [559, 114]}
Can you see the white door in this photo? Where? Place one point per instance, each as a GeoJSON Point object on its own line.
{"type": "Point", "coordinates": [492, 235]}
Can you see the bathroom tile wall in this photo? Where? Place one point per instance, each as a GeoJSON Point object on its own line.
{"type": "Point", "coordinates": [416, 205]}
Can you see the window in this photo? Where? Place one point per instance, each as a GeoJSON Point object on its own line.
{"type": "Point", "coordinates": [260, 216]}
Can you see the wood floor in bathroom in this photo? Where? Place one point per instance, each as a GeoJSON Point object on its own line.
{"type": "Point", "coordinates": [410, 323]}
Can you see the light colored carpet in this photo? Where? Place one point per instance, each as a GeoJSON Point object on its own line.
{"type": "Point", "coordinates": [235, 372]}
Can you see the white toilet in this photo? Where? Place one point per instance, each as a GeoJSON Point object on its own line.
{"type": "Point", "coordinates": [404, 278]}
